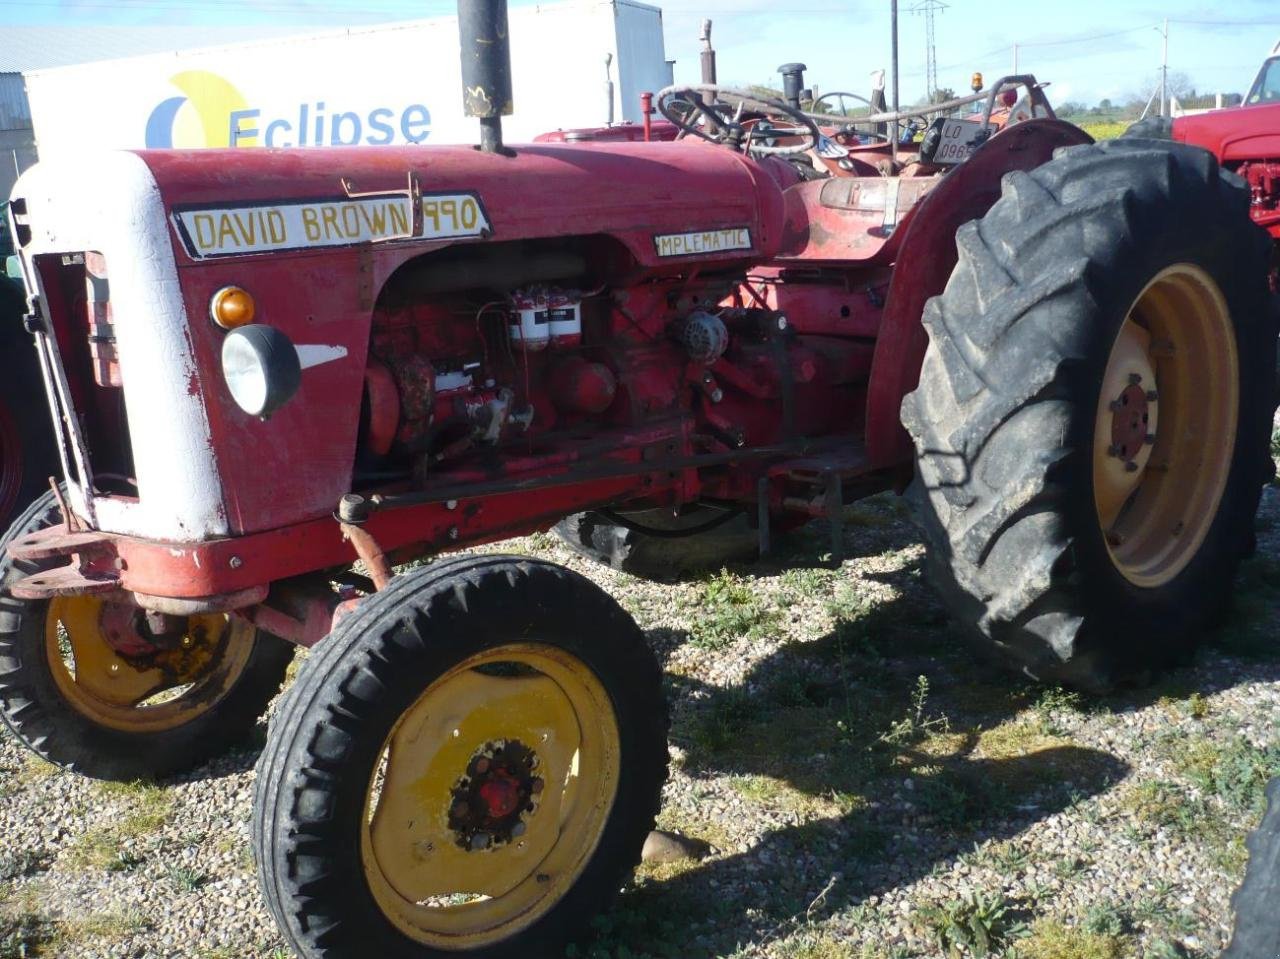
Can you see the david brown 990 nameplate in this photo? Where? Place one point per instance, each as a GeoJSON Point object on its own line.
{"type": "Point", "coordinates": [238, 230]}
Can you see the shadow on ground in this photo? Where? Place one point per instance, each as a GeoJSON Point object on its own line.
{"type": "Point", "coordinates": [840, 727]}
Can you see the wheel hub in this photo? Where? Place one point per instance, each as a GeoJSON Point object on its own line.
{"type": "Point", "coordinates": [1130, 419]}
{"type": "Point", "coordinates": [490, 801]}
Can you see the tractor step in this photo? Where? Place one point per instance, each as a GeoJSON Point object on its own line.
{"type": "Point", "coordinates": [90, 571]}
{"type": "Point", "coordinates": [65, 581]}
{"type": "Point", "coordinates": [825, 474]}
{"type": "Point", "coordinates": [55, 541]}
{"type": "Point", "coordinates": [845, 461]}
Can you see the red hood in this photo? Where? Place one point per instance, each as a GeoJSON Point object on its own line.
{"type": "Point", "coordinates": [633, 191]}
{"type": "Point", "coordinates": [1233, 134]}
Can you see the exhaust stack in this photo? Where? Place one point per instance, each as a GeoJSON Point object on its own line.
{"type": "Point", "coordinates": [486, 68]}
{"type": "Point", "coordinates": [708, 54]}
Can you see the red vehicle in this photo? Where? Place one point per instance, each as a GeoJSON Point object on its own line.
{"type": "Point", "coordinates": [277, 373]}
{"type": "Point", "coordinates": [1246, 140]}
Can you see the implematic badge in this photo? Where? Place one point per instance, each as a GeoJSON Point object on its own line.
{"type": "Point", "coordinates": [237, 230]}
{"type": "Point", "coordinates": [703, 241]}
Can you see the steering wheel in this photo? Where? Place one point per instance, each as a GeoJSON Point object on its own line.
{"type": "Point", "coordinates": [840, 110]}
{"type": "Point", "coordinates": [722, 121]}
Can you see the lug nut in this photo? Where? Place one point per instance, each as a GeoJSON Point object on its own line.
{"type": "Point", "coordinates": [480, 841]}
{"type": "Point", "coordinates": [460, 808]}
{"type": "Point", "coordinates": [1152, 396]}
{"type": "Point", "coordinates": [536, 785]}
{"type": "Point", "coordinates": [1149, 438]}
{"type": "Point", "coordinates": [1114, 451]}
{"type": "Point", "coordinates": [518, 829]}
{"type": "Point", "coordinates": [1135, 378]}
{"type": "Point", "coordinates": [480, 766]}
{"type": "Point", "coordinates": [1131, 467]}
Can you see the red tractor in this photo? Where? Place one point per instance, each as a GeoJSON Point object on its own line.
{"type": "Point", "coordinates": [275, 374]}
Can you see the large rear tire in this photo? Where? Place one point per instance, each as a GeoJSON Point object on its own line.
{"type": "Point", "coordinates": [71, 695]}
{"type": "Point", "coordinates": [470, 765]}
{"type": "Point", "coordinates": [1094, 411]}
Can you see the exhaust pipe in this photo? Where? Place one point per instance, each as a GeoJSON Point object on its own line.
{"type": "Point", "coordinates": [708, 55]}
{"type": "Point", "coordinates": [486, 68]}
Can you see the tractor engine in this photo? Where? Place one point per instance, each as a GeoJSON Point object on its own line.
{"type": "Point", "coordinates": [462, 364]}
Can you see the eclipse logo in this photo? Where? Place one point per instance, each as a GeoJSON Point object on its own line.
{"type": "Point", "coordinates": [215, 114]}
{"type": "Point", "coordinates": [198, 119]}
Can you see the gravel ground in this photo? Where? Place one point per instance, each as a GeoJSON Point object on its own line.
{"type": "Point", "coordinates": [869, 788]}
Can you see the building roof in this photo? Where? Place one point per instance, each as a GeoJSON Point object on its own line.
{"type": "Point", "coordinates": [28, 48]}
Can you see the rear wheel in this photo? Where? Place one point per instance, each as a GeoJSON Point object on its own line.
{"type": "Point", "coordinates": [469, 764]}
{"type": "Point", "coordinates": [86, 684]}
{"type": "Point", "coordinates": [1093, 418]}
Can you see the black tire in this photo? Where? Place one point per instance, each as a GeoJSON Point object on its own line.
{"type": "Point", "coordinates": [27, 453]}
{"type": "Point", "coordinates": [601, 539]}
{"type": "Point", "coordinates": [1150, 128]}
{"type": "Point", "coordinates": [1003, 418]}
{"type": "Point", "coordinates": [1257, 928]}
{"type": "Point", "coordinates": [328, 734]}
{"type": "Point", "coordinates": [38, 713]}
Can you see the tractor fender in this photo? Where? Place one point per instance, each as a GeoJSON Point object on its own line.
{"type": "Point", "coordinates": [925, 261]}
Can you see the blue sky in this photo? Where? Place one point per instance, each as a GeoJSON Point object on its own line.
{"type": "Point", "coordinates": [1088, 49]}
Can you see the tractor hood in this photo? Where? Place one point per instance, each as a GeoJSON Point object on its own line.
{"type": "Point", "coordinates": [662, 200]}
{"type": "Point", "coordinates": [1233, 134]}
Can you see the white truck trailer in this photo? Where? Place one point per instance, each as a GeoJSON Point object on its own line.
{"type": "Point", "coordinates": [577, 64]}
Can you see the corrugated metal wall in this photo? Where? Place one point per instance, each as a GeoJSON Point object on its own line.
{"type": "Point", "coordinates": [14, 112]}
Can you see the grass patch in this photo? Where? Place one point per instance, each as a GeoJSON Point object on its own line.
{"type": "Point", "coordinates": [976, 925]}
{"type": "Point", "coordinates": [918, 723]}
{"type": "Point", "coordinates": [1014, 739]}
{"type": "Point", "coordinates": [775, 794]}
{"type": "Point", "coordinates": [144, 808]}
{"type": "Point", "coordinates": [1235, 772]}
{"type": "Point", "coordinates": [1052, 939]}
{"type": "Point", "coordinates": [111, 926]}
{"type": "Point", "coordinates": [730, 609]}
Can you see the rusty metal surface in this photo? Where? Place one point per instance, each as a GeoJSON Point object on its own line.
{"type": "Point", "coordinates": [370, 553]}
{"type": "Point", "coordinates": [65, 581]}
{"type": "Point", "coordinates": [55, 542]}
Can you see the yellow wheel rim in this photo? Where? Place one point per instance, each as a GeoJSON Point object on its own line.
{"type": "Point", "coordinates": [1165, 431]}
{"type": "Point", "coordinates": [154, 691]}
{"type": "Point", "coordinates": [490, 796]}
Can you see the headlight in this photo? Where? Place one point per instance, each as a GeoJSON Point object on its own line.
{"type": "Point", "coordinates": [261, 368]}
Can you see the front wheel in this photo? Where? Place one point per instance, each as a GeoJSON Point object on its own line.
{"type": "Point", "coordinates": [469, 764]}
{"type": "Point", "coordinates": [1093, 418]}
{"type": "Point", "coordinates": [87, 685]}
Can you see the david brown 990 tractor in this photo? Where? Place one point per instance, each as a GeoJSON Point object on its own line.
{"type": "Point", "coordinates": [266, 365]}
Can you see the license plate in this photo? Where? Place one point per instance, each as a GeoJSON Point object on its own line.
{"type": "Point", "coordinates": [958, 138]}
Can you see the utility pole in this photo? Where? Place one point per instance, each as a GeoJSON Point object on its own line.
{"type": "Point", "coordinates": [893, 132]}
{"type": "Point", "coordinates": [1164, 71]}
{"type": "Point", "coordinates": [929, 8]}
